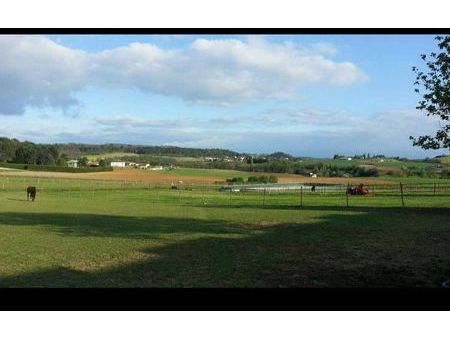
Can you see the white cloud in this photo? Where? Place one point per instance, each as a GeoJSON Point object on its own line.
{"type": "Point", "coordinates": [385, 132]}
{"type": "Point", "coordinates": [36, 71]}
{"type": "Point", "coordinates": [280, 129]}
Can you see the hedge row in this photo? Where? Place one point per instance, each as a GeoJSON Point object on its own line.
{"type": "Point", "coordinates": [54, 168]}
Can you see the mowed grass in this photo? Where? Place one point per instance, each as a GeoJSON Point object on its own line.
{"type": "Point", "coordinates": [158, 237]}
{"type": "Point", "coordinates": [445, 160]}
{"type": "Point", "coordinates": [414, 179]}
{"type": "Point", "coordinates": [220, 173]}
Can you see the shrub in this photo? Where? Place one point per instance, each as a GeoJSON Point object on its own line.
{"type": "Point", "coordinates": [262, 179]}
{"type": "Point", "coordinates": [235, 180]}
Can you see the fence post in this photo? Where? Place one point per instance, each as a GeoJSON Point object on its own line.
{"type": "Point", "coordinates": [301, 196]}
{"type": "Point", "coordinates": [230, 198]}
{"type": "Point", "coordinates": [264, 197]}
{"type": "Point", "coordinates": [434, 189]}
{"type": "Point", "coordinates": [346, 194]}
{"type": "Point", "coordinates": [401, 193]}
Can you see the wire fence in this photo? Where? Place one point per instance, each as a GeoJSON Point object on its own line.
{"type": "Point", "coordinates": [256, 195]}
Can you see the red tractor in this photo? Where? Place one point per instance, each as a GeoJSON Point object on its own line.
{"type": "Point", "coordinates": [359, 190]}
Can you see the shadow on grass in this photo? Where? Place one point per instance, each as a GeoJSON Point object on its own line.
{"type": "Point", "coordinates": [18, 199]}
{"type": "Point", "coordinates": [128, 227]}
{"type": "Point", "coordinates": [365, 208]}
{"type": "Point", "coordinates": [367, 249]}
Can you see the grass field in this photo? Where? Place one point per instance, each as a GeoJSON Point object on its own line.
{"type": "Point", "coordinates": [445, 160]}
{"type": "Point", "coordinates": [81, 233]}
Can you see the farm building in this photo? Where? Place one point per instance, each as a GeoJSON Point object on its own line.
{"type": "Point", "coordinates": [72, 163]}
{"type": "Point", "coordinates": [211, 159]}
{"type": "Point", "coordinates": [118, 164]}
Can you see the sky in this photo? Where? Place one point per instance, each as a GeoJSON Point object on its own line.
{"type": "Point", "coordinates": [307, 95]}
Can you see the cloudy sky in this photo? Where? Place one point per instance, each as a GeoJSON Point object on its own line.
{"type": "Point", "coordinates": [312, 95]}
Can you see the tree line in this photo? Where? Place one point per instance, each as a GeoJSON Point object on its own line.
{"type": "Point", "coordinates": [14, 151]}
{"type": "Point", "coordinates": [76, 150]}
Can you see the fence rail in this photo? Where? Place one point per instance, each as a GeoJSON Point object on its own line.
{"type": "Point", "coordinates": [263, 195]}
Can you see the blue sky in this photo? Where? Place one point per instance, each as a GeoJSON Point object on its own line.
{"type": "Point", "coordinates": [312, 95]}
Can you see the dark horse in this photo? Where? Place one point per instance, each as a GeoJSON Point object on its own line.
{"type": "Point", "coordinates": [31, 193]}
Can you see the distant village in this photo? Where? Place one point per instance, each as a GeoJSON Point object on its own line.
{"type": "Point", "coordinates": [127, 164]}
{"type": "Point", "coordinates": [120, 164]}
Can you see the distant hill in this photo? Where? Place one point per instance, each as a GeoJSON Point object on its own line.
{"type": "Point", "coordinates": [79, 149]}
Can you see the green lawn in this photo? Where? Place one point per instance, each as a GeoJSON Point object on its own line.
{"type": "Point", "coordinates": [76, 236]}
{"type": "Point", "coordinates": [376, 162]}
{"type": "Point", "coordinates": [445, 160]}
{"type": "Point", "coordinates": [413, 179]}
{"type": "Point", "coordinates": [222, 173]}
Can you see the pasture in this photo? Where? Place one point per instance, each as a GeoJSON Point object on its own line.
{"type": "Point", "coordinates": [113, 233]}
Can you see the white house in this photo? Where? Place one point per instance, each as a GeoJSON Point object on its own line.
{"type": "Point", "coordinates": [159, 167]}
{"type": "Point", "coordinates": [118, 164]}
{"type": "Point", "coordinates": [72, 163]}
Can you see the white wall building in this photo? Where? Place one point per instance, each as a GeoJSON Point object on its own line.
{"type": "Point", "coordinates": [118, 164]}
{"type": "Point", "coordinates": [72, 163]}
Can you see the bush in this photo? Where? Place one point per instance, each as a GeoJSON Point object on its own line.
{"type": "Point", "coordinates": [235, 180]}
{"type": "Point", "coordinates": [262, 179]}
{"type": "Point", "coordinates": [445, 173]}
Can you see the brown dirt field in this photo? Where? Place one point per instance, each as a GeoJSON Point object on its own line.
{"type": "Point", "coordinates": [164, 177]}
{"type": "Point", "coordinates": [118, 175]}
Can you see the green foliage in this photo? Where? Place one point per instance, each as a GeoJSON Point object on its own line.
{"type": "Point", "coordinates": [103, 163]}
{"type": "Point", "coordinates": [262, 179]}
{"type": "Point", "coordinates": [83, 161]}
{"type": "Point", "coordinates": [434, 85]}
{"type": "Point", "coordinates": [84, 149]}
{"type": "Point", "coordinates": [237, 179]}
{"type": "Point", "coordinates": [27, 152]}
{"type": "Point", "coordinates": [7, 149]}
{"type": "Point", "coordinates": [35, 167]}
{"type": "Point", "coordinates": [62, 160]}
{"type": "Point", "coordinates": [445, 173]}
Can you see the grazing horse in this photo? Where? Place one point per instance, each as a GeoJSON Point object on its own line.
{"type": "Point", "coordinates": [31, 193]}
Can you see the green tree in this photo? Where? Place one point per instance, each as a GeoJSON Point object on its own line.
{"type": "Point", "coordinates": [62, 160]}
{"type": "Point", "coordinates": [7, 149]}
{"type": "Point", "coordinates": [25, 153]}
{"type": "Point", "coordinates": [43, 157]}
{"type": "Point", "coordinates": [103, 163]}
{"type": "Point", "coordinates": [83, 162]}
{"type": "Point", "coordinates": [434, 85]}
